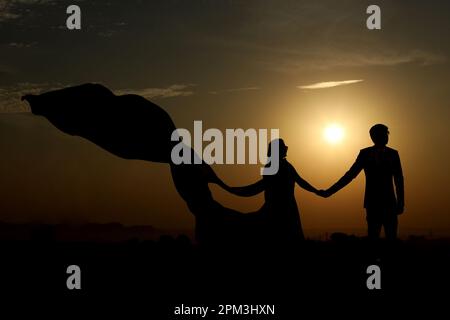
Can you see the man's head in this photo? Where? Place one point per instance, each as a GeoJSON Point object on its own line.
{"type": "Point", "coordinates": [379, 134]}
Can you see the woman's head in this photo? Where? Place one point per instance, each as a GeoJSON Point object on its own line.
{"type": "Point", "coordinates": [282, 147]}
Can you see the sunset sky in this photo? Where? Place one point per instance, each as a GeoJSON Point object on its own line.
{"type": "Point", "coordinates": [299, 66]}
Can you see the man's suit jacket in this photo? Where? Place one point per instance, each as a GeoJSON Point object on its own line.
{"type": "Point", "coordinates": [382, 167]}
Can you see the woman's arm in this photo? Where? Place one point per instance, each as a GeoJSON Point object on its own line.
{"type": "Point", "coordinates": [246, 191]}
{"type": "Point", "coordinates": [303, 183]}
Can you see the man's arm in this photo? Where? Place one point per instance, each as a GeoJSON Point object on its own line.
{"type": "Point", "coordinates": [351, 174]}
{"type": "Point", "coordinates": [399, 184]}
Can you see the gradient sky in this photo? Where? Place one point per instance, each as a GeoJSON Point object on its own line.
{"type": "Point", "coordinates": [232, 64]}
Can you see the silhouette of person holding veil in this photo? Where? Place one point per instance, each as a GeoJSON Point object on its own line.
{"type": "Point", "coordinates": [382, 167]}
{"type": "Point", "coordinates": [95, 113]}
{"type": "Point", "coordinates": [280, 213]}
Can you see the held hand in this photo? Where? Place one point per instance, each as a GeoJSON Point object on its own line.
{"type": "Point", "coordinates": [323, 193]}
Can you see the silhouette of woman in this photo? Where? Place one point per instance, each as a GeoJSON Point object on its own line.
{"type": "Point", "coordinates": [279, 212]}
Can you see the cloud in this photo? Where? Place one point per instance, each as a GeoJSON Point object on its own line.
{"type": "Point", "coordinates": [21, 45]}
{"type": "Point", "coordinates": [328, 84]}
{"type": "Point", "coordinates": [9, 9]}
{"type": "Point", "coordinates": [389, 58]}
{"type": "Point", "coordinates": [296, 36]}
{"type": "Point", "coordinates": [175, 90]}
{"type": "Point", "coordinates": [10, 97]}
{"type": "Point", "coordinates": [235, 90]}
{"type": "Point", "coordinates": [324, 59]}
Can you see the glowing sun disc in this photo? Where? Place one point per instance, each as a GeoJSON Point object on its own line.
{"type": "Point", "coordinates": [333, 134]}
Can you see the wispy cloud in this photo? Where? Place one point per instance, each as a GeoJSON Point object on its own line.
{"type": "Point", "coordinates": [20, 45]}
{"type": "Point", "coordinates": [9, 9]}
{"type": "Point", "coordinates": [328, 84]}
{"type": "Point", "coordinates": [235, 90]}
{"type": "Point", "coordinates": [391, 58]}
{"type": "Point", "coordinates": [175, 90]}
{"type": "Point", "coordinates": [324, 59]}
{"type": "Point", "coordinates": [298, 36]}
{"type": "Point", "coordinates": [10, 96]}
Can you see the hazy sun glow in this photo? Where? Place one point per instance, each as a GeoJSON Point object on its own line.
{"type": "Point", "coordinates": [333, 133]}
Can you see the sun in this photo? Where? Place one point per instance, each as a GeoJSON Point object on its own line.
{"type": "Point", "coordinates": [333, 133]}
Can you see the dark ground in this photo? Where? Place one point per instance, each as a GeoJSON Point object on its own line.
{"type": "Point", "coordinates": [160, 275]}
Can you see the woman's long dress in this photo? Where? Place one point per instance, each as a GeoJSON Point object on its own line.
{"type": "Point", "coordinates": [280, 207]}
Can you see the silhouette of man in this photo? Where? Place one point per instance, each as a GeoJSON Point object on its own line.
{"type": "Point", "coordinates": [381, 166]}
